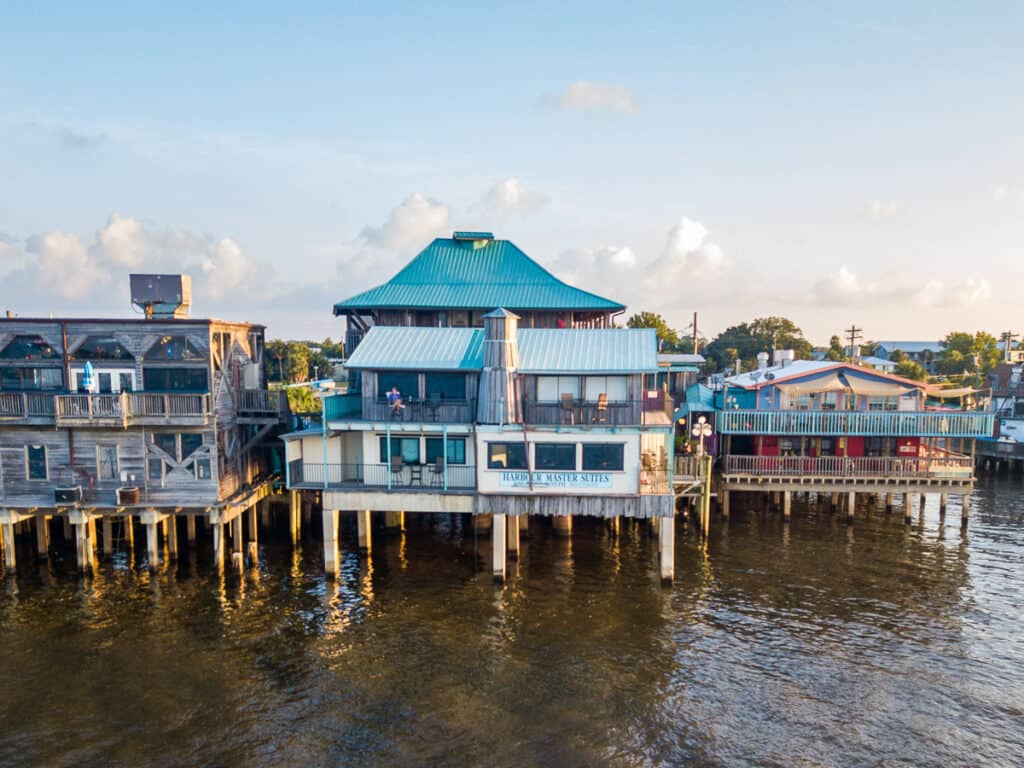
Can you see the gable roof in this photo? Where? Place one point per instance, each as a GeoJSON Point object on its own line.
{"type": "Point", "coordinates": [811, 369]}
{"type": "Point", "coordinates": [453, 273]}
{"type": "Point", "coordinates": [914, 347]}
{"type": "Point", "coordinates": [541, 351]}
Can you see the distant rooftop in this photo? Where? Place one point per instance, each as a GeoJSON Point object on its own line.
{"type": "Point", "coordinates": [800, 369]}
{"type": "Point", "coordinates": [472, 270]}
{"type": "Point", "coordinates": [914, 347]}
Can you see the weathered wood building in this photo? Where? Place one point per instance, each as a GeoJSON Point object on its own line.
{"type": "Point", "coordinates": [455, 281]}
{"type": "Point", "coordinates": [117, 420]}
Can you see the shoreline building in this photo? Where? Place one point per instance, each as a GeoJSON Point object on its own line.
{"type": "Point", "coordinates": [152, 419]}
{"type": "Point", "coordinates": [501, 423]}
{"type": "Point", "coordinates": [841, 429]}
{"type": "Point", "coordinates": [455, 281]}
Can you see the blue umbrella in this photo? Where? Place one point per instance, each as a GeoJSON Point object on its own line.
{"type": "Point", "coordinates": [87, 377]}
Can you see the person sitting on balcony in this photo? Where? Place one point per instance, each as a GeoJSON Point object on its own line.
{"type": "Point", "coordinates": [395, 401]}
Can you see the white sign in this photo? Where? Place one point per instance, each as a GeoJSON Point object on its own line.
{"type": "Point", "coordinates": [566, 480]}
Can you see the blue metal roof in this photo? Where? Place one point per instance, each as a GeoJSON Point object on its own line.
{"type": "Point", "coordinates": [553, 350]}
{"type": "Point", "coordinates": [455, 273]}
{"type": "Point", "coordinates": [914, 347]}
{"type": "Point", "coordinates": [425, 349]}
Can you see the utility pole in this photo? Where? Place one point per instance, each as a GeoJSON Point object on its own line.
{"type": "Point", "coordinates": [695, 333]}
{"type": "Point", "coordinates": [854, 334]}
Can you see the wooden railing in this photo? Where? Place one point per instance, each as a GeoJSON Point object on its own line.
{"type": "Point", "coordinates": [951, 466]}
{"type": "Point", "coordinates": [91, 408]}
{"type": "Point", "coordinates": [580, 412]}
{"type": "Point", "coordinates": [124, 408]}
{"type": "Point", "coordinates": [431, 411]}
{"type": "Point", "coordinates": [170, 406]}
{"type": "Point", "coordinates": [868, 423]}
{"type": "Point", "coordinates": [261, 401]}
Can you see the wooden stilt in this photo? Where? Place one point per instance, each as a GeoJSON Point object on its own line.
{"type": "Point", "coordinates": [10, 559]}
{"type": "Point", "coordinates": [129, 532]}
{"type": "Point", "coordinates": [108, 536]}
{"type": "Point", "coordinates": [513, 538]}
{"type": "Point", "coordinates": [667, 556]}
{"type": "Point", "coordinates": [562, 525]}
{"type": "Point", "coordinates": [152, 545]}
{"type": "Point", "coordinates": [190, 529]}
{"type": "Point", "coordinates": [171, 532]}
{"type": "Point", "coordinates": [851, 506]}
{"type": "Point", "coordinates": [254, 547]}
{"type": "Point", "coordinates": [237, 538]}
{"type": "Point", "coordinates": [363, 524]}
{"type": "Point", "coordinates": [943, 500]}
{"type": "Point", "coordinates": [498, 530]}
{"type": "Point", "coordinates": [43, 536]}
{"type": "Point", "coordinates": [218, 545]}
{"type": "Point", "coordinates": [908, 509]}
{"type": "Point", "coordinates": [787, 505]}
{"type": "Point", "coordinates": [965, 508]}
{"type": "Point", "coordinates": [725, 505]}
{"type": "Point", "coordinates": [330, 523]}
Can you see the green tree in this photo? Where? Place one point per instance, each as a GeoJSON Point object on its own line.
{"type": "Point", "coordinates": [967, 353]}
{"type": "Point", "coordinates": [331, 349]}
{"type": "Point", "coordinates": [277, 353]}
{"type": "Point", "coordinates": [320, 364]}
{"type": "Point", "coordinates": [760, 335]}
{"type": "Point", "coordinates": [296, 364]}
{"type": "Point", "coordinates": [897, 356]}
{"type": "Point", "coordinates": [836, 353]}
{"type": "Point", "coordinates": [909, 369]}
{"type": "Point", "coordinates": [668, 338]}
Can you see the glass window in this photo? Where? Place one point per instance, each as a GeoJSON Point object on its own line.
{"type": "Point", "coordinates": [28, 348]}
{"type": "Point", "coordinates": [167, 442]}
{"type": "Point", "coordinates": [882, 403]}
{"type": "Point", "coordinates": [551, 388]}
{"type": "Point", "coordinates": [126, 382]}
{"type": "Point", "coordinates": [155, 469]}
{"type": "Point", "coordinates": [105, 384]}
{"type": "Point", "coordinates": [506, 456]}
{"type": "Point", "coordinates": [31, 378]}
{"type": "Point", "coordinates": [203, 469]}
{"type": "Point", "coordinates": [447, 386]}
{"type": "Point", "coordinates": [456, 450]}
{"type": "Point", "coordinates": [406, 447]}
{"type": "Point", "coordinates": [174, 348]}
{"type": "Point", "coordinates": [36, 456]}
{"type": "Point", "coordinates": [106, 462]}
{"type": "Point", "coordinates": [604, 456]}
{"type": "Point", "coordinates": [828, 401]}
{"type": "Point", "coordinates": [407, 384]}
{"type": "Point", "coordinates": [612, 386]}
{"type": "Point", "coordinates": [190, 443]}
{"type": "Point", "coordinates": [101, 348]}
{"type": "Point", "coordinates": [555, 455]}
{"type": "Point", "coordinates": [175, 380]}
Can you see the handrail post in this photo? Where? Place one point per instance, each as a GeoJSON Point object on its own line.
{"type": "Point", "coordinates": [444, 452]}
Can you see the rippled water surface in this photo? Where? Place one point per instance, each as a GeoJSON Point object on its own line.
{"type": "Point", "coordinates": [812, 644]}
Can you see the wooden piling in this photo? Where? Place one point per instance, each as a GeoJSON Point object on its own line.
{"type": "Point", "coordinates": [218, 545]}
{"type": "Point", "coordinates": [10, 559]}
{"type": "Point", "coordinates": [851, 506]}
{"type": "Point", "coordinates": [363, 524]}
{"type": "Point", "coordinates": [330, 523]}
{"type": "Point", "coordinates": [190, 529]}
{"type": "Point", "coordinates": [254, 543]}
{"type": "Point", "coordinates": [667, 556]}
{"type": "Point", "coordinates": [43, 536]}
{"type": "Point", "coordinates": [513, 537]}
{"type": "Point", "coordinates": [498, 545]}
{"type": "Point", "coordinates": [562, 525]}
{"type": "Point", "coordinates": [787, 505]}
{"type": "Point", "coordinates": [108, 536]}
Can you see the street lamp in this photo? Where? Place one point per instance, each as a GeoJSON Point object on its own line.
{"type": "Point", "coordinates": [701, 430]}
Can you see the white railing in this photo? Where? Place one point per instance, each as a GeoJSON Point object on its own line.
{"type": "Point", "coordinates": [868, 423]}
{"type": "Point", "coordinates": [950, 465]}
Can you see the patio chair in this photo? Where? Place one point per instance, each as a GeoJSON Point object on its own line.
{"type": "Point", "coordinates": [437, 471]}
{"type": "Point", "coordinates": [568, 408]}
{"type": "Point", "coordinates": [601, 412]}
{"type": "Point", "coordinates": [397, 466]}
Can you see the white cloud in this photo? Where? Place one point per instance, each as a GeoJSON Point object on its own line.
{"type": "Point", "coordinates": [846, 289]}
{"type": "Point", "coordinates": [591, 96]}
{"type": "Point", "coordinates": [689, 254]}
{"type": "Point", "coordinates": [967, 293]}
{"type": "Point", "coordinates": [124, 241]}
{"type": "Point", "coordinates": [884, 209]}
{"type": "Point", "coordinates": [410, 225]}
{"type": "Point", "coordinates": [592, 267]}
{"type": "Point", "coordinates": [64, 265]}
{"type": "Point", "coordinates": [1000, 193]}
{"type": "Point", "coordinates": [226, 269]}
{"type": "Point", "coordinates": [510, 195]}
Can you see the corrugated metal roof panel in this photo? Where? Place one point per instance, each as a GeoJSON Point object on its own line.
{"type": "Point", "coordinates": [588, 350]}
{"type": "Point", "coordinates": [425, 349]}
{"type": "Point", "coordinates": [467, 274]}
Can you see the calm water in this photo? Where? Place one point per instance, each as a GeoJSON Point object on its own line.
{"type": "Point", "coordinates": [815, 644]}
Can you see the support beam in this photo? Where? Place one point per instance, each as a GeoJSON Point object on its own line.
{"type": "Point", "coordinates": [965, 509]}
{"type": "Point", "coordinates": [888, 502]}
{"type": "Point", "coordinates": [482, 525]}
{"type": "Point", "coordinates": [524, 524]}
{"type": "Point", "coordinates": [924, 498]}
{"type": "Point", "coordinates": [364, 524]}
{"type": "Point", "coordinates": [908, 509]}
{"type": "Point", "coordinates": [498, 547]}
{"type": "Point", "coordinates": [10, 559]}
{"type": "Point", "coordinates": [513, 538]}
{"type": "Point", "coordinates": [851, 506]}
{"type": "Point", "coordinates": [562, 525]}
{"type": "Point", "coordinates": [129, 532]}
{"type": "Point", "coordinates": [615, 526]}
{"type": "Point", "coordinates": [254, 543]}
{"type": "Point", "coordinates": [218, 546]}
{"type": "Point", "coordinates": [237, 558]}
{"type": "Point", "coordinates": [725, 505]}
{"type": "Point", "coordinates": [787, 505]}
{"type": "Point", "coordinates": [265, 513]}
{"type": "Point", "coordinates": [152, 545]}
{"type": "Point", "coordinates": [331, 561]}
{"type": "Point", "coordinates": [943, 500]}
{"type": "Point", "coordinates": [190, 529]}
{"type": "Point", "coordinates": [43, 536]}
{"type": "Point", "coordinates": [171, 533]}
{"type": "Point", "coordinates": [294, 515]}
{"type": "Point", "coordinates": [667, 539]}
{"type": "Point", "coordinates": [108, 536]}
{"type": "Point", "coordinates": [394, 522]}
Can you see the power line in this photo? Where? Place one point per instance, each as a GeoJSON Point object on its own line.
{"type": "Point", "coordinates": [854, 334]}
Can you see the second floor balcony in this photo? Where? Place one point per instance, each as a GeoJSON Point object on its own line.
{"type": "Point", "coordinates": [938, 466]}
{"type": "Point", "coordinates": [429, 478]}
{"type": "Point", "coordinates": [868, 423]}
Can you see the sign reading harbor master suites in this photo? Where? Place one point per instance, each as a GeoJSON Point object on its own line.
{"type": "Point", "coordinates": [556, 479]}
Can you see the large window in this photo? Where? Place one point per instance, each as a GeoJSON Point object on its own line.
{"type": "Point", "coordinates": [407, 384]}
{"type": "Point", "coordinates": [35, 459]}
{"type": "Point", "coordinates": [456, 450]}
{"type": "Point", "coordinates": [551, 388]}
{"type": "Point", "coordinates": [608, 457]}
{"type": "Point", "coordinates": [106, 462]}
{"type": "Point", "coordinates": [555, 455]}
{"type": "Point", "coordinates": [31, 378]}
{"type": "Point", "coordinates": [447, 386]}
{"type": "Point", "coordinates": [612, 386]}
{"type": "Point", "coordinates": [174, 348]}
{"type": "Point", "coordinates": [29, 348]}
{"type": "Point", "coordinates": [506, 456]}
{"type": "Point", "coordinates": [406, 447]}
{"type": "Point", "coordinates": [175, 380]}
{"type": "Point", "coordinates": [882, 403]}
{"type": "Point", "coordinates": [178, 445]}
{"type": "Point", "coordinates": [101, 348]}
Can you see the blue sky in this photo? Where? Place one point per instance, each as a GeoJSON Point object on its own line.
{"type": "Point", "coordinates": [835, 163]}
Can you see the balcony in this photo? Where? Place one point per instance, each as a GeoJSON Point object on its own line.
{"type": "Point", "coordinates": [106, 410]}
{"type": "Point", "coordinates": [867, 423]}
{"type": "Point", "coordinates": [262, 403]}
{"type": "Point", "coordinates": [626, 413]}
{"type": "Point", "coordinates": [427, 478]}
{"type": "Point", "coordinates": [943, 466]}
{"type": "Point", "coordinates": [27, 407]}
{"type": "Point", "coordinates": [414, 410]}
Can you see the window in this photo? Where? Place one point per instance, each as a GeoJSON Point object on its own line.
{"type": "Point", "coordinates": [126, 382]}
{"type": "Point", "coordinates": [828, 401]}
{"type": "Point", "coordinates": [203, 469]}
{"type": "Point", "coordinates": [506, 456]}
{"type": "Point", "coordinates": [101, 348]}
{"type": "Point", "coordinates": [406, 447]}
{"type": "Point", "coordinates": [803, 402]}
{"type": "Point", "coordinates": [175, 379]}
{"type": "Point", "coordinates": [174, 348]}
{"type": "Point", "coordinates": [190, 443]}
{"type": "Point", "coordinates": [612, 386]}
{"type": "Point", "coordinates": [406, 383]}
{"type": "Point", "coordinates": [155, 469]}
{"type": "Point", "coordinates": [167, 442]}
{"type": "Point", "coordinates": [882, 403]}
{"type": "Point", "coordinates": [28, 348]}
{"type": "Point", "coordinates": [849, 402]}
{"type": "Point", "coordinates": [447, 386]}
{"type": "Point", "coordinates": [31, 378]}
{"type": "Point", "coordinates": [36, 461]}
{"type": "Point", "coordinates": [106, 462]}
{"type": "Point", "coordinates": [105, 385]}
{"type": "Point", "coordinates": [608, 457]}
{"type": "Point", "coordinates": [555, 455]}
{"type": "Point", "coordinates": [551, 388]}
{"type": "Point", "coordinates": [456, 450]}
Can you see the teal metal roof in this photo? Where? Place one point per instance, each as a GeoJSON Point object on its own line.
{"type": "Point", "coordinates": [455, 273]}
{"type": "Point", "coordinates": [561, 350]}
{"type": "Point", "coordinates": [425, 349]}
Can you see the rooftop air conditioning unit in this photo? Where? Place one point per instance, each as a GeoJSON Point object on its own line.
{"type": "Point", "coordinates": [162, 297]}
{"type": "Point", "coordinates": [68, 495]}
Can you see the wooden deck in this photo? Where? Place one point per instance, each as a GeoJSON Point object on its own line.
{"type": "Point", "coordinates": [867, 423]}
